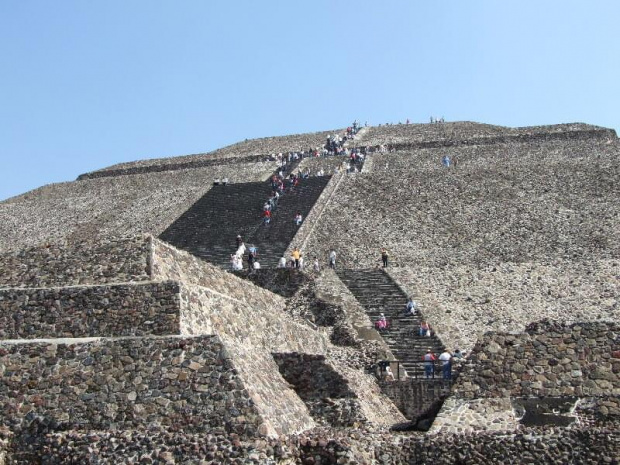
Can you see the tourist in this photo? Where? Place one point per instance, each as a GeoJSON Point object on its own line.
{"type": "Point", "coordinates": [238, 240]}
{"type": "Point", "coordinates": [224, 181]}
{"type": "Point", "coordinates": [256, 265]}
{"type": "Point", "coordinates": [282, 262]}
{"type": "Point", "coordinates": [445, 161]}
{"type": "Point", "coordinates": [424, 328]}
{"type": "Point", "coordinates": [298, 218]}
{"type": "Point", "coordinates": [384, 257]}
{"type": "Point", "coordinates": [301, 261]}
{"type": "Point", "coordinates": [381, 323]}
{"type": "Point", "coordinates": [295, 255]}
{"type": "Point", "coordinates": [332, 259]}
{"type": "Point", "coordinates": [236, 263]}
{"type": "Point", "coordinates": [316, 267]}
{"type": "Point", "coordinates": [266, 216]}
{"type": "Point", "coordinates": [388, 375]}
{"type": "Point", "coordinates": [251, 257]}
{"type": "Point", "coordinates": [446, 364]}
{"type": "Point", "coordinates": [429, 363]}
{"type": "Point", "coordinates": [240, 250]}
{"type": "Point", "coordinates": [411, 307]}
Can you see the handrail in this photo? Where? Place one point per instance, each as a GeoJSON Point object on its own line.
{"type": "Point", "coordinates": [436, 371]}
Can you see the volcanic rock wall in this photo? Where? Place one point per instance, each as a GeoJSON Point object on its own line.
{"type": "Point", "coordinates": [579, 363]}
{"type": "Point", "coordinates": [174, 382]}
{"type": "Point", "coordinates": [102, 208]}
{"type": "Point", "coordinates": [85, 311]}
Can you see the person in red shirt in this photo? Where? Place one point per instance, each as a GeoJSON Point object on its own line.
{"type": "Point", "coordinates": [429, 363]}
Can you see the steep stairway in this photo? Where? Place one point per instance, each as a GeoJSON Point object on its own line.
{"type": "Point", "coordinates": [378, 293]}
{"type": "Point", "coordinates": [209, 227]}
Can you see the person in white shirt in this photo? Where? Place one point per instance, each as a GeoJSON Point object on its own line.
{"type": "Point", "coordinates": [446, 364]}
{"type": "Point", "coordinates": [332, 259]}
{"type": "Point", "coordinates": [256, 265]}
{"type": "Point", "coordinates": [282, 262]}
{"type": "Point", "coordinates": [316, 267]}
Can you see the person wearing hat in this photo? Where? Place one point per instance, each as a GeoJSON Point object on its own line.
{"type": "Point", "coordinates": [429, 363]}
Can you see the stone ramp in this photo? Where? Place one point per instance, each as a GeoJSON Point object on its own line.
{"type": "Point", "coordinates": [378, 293]}
{"type": "Point", "coordinates": [209, 228]}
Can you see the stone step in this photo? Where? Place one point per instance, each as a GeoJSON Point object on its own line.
{"type": "Point", "coordinates": [206, 232]}
{"type": "Point", "coordinates": [378, 293]}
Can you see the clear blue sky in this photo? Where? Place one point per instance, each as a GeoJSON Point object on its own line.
{"type": "Point", "coordinates": [86, 84]}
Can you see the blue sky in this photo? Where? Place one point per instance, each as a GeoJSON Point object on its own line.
{"type": "Point", "coordinates": [86, 84]}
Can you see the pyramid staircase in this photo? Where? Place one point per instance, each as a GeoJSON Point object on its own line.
{"type": "Point", "coordinates": [378, 293]}
{"type": "Point", "coordinates": [209, 228]}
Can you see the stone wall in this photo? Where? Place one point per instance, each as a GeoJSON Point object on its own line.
{"type": "Point", "coordinates": [251, 322]}
{"type": "Point", "coordinates": [548, 363]}
{"type": "Point", "coordinates": [261, 147]}
{"type": "Point", "coordinates": [326, 446]}
{"type": "Point", "coordinates": [101, 262]}
{"type": "Point", "coordinates": [416, 397]}
{"type": "Point", "coordinates": [98, 209]}
{"type": "Point", "coordinates": [559, 207]}
{"type": "Point", "coordinates": [549, 359]}
{"type": "Point", "coordinates": [172, 166]}
{"type": "Point", "coordinates": [83, 311]}
{"type": "Point", "coordinates": [336, 395]}
{"type": "Point", "coordinates": [464, 301]}
{"type": "Point", "coordinates": [470, 133]}
{"type": "Point", "coordinates": [180, 383]}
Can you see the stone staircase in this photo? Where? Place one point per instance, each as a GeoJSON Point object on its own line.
{"type": "Point", "coordinates": [378, 293]}
{"type": "Point", "coordinates": [208, 229]}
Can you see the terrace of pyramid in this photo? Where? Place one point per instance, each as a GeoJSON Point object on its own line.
{"type": "Point", "coordinates": [126, 337]}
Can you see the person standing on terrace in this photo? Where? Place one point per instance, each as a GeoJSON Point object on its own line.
{"type": "Point", "coordinates": [446, 364]}
{"type": "Point", "coordinates": [332, 259]}
{"type": "Point", "coordinates": [429, 363]}
{"type": "Point", "coordinates": [295, 255]}
{"type": "Point", "coordinates": [384, 257]}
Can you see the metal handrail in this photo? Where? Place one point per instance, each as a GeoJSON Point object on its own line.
{"type": "Point", "coordinates": [436, 371]}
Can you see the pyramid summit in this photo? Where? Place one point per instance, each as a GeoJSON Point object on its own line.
{"type": "Point", "coordinates": [137, 326]}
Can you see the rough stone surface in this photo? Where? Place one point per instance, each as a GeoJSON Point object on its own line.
{"type": "Point", "coordinates": [549, 359]}
{"type": "Point", "coordinates": [83, 311]}
{"type": "Point", "coordinates": [522, 228]}
{"type": "Point", "coordinates": [90, 262]}
{"type": "Point", "coordinates": [330, 446]}
{"type": "Point", "coordinates": [464, 301]}
{"type": "Point", "coordinates": [520, 204]}
{"type": "Point", "coordinates": [102, 208]}
{"type": "Point", "coordinates": [182, 383]}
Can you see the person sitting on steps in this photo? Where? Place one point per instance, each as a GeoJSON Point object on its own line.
{"type": "Point", "coordinates": [411, 308]}
{"type": "Point", "coordinates": [424, 328]}
{"type": "Point", "coordinates": [381, 323]}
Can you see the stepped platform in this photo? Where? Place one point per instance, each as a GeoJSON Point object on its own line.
{"type": "Point", "coordinates": [378, 293]}
{"type": "Point", "coordinates": [209, 227]}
